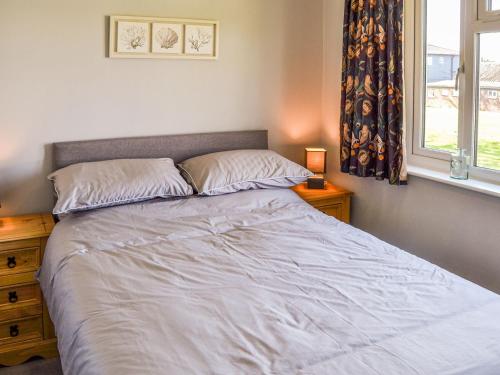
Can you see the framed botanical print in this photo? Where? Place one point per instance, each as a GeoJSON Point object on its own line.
{"type": "Point", "coordinates": [200, 40]}
{"type": "Point", "coordinates": [132, 37]}
{"type": "Point", "coordinates": [160, 38]}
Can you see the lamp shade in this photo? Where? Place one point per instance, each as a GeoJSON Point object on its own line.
{"type": "Point", "coordinates": [316, 160]}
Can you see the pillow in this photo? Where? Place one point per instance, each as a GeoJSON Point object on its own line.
{"type": "Point", "coordinates": [232, 171]}
{"type": "Point", "coordinates": [86, 186]}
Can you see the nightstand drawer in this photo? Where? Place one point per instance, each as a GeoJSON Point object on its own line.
{"type": "Point", "coordinates": [332, 200]}
{"type": "Point", "coordinates": [21, 330]}
{"type": "Point", "coordinates": [334, 210]}
{"type": "Point", "coordinates": [21, 312]}
{"type": "Point", "coordinates": [20, 260]}
{"type": "Point", "coordinates": [18, 278]}
{"type": "Point", "coordinates": [19, 295]}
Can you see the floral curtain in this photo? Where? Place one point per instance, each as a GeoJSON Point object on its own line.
{"type": "Point", "coordinates": [372, 137]}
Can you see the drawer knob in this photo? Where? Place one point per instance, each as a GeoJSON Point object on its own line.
{"type": "Point", "coordinates": [14, 330]}
{"type": "Point", "coordinates": [11, 262]}
{"type": "Point", "coordinates": [13, 297]}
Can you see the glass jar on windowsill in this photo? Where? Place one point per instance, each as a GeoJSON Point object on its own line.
{"type": "Point", "coordinates": [459, 166]}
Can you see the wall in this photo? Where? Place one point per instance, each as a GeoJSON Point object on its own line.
{"type": "Point", "coordinates": [454, 228]}
{"type": "Point", "coordinates": [56, 83]}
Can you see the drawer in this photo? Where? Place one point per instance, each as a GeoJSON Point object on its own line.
{"type": "Point", "coordinates": [327, 202]}
{"type": "Point", "coordinates": [334, 210]}
{"type": "Point", "coordinates": [21, 330]}
{"type": "Point", "coordinates": [19, 260]}
{"type": "Point", "coordinates": [17, 278]}
{"type": "Point", "coordinates": [19, 244]}
{"type": "Point", "coordinates": [21, 312]}
{"type": "Point", "coordinates": [19, 295]}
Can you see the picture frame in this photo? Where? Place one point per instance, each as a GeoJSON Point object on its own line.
{"type": "Point", "coordinates": [167, 38]}
{"type": "Point", "coordinates": [132, 37]}
{"type": "Point", "coordinates": [141, 37]}
{"type": "Point", "coordinates": [199, 39]}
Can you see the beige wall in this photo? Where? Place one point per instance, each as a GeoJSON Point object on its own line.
{"type": "Point", "coordinates": [56, 83]}
{"type": "Point", "coordinates": [454, 228]}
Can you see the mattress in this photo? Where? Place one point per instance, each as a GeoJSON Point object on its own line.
{"type": "Point", "coordinates": [256, 282]}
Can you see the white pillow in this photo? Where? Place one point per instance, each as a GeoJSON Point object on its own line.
{"type": "Point", "coordinates": [87, 186]}
{"type": "Point", "coordinates": [232, 171]}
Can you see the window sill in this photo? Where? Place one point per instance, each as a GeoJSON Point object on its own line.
{"type": "Point", "coordinates": [471, 184]}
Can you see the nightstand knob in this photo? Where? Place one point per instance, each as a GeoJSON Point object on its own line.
{"type": "Point", "coordinates": [13, 297]}
{"type": "Point", "coordinates": [14, 330]}
{"type": "Point", "coordinates": [11, 262]}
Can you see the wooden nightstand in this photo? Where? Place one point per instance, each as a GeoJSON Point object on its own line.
{"type": "Point", "coordinates": [25, 327]}
{"type": "Point", "coordinates": [332, 200]}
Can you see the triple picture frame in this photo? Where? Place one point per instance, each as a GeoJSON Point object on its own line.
{"type": "Point", "coordinates": [163, 38]}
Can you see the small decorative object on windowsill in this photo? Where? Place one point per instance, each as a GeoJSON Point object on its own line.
{"type": "Point", "coordinates": [316, 163]}
{"type": "Point", "coordinates": [459, 166]}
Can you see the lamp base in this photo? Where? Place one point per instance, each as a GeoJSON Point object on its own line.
{"type": "Point", "coordinates": [316, 182]}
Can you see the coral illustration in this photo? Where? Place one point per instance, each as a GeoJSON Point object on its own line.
{"type": "Point", "coordinates": [167, 38]}
{"type": "Point", "coordinates": [134, 37]}
{"type": "Point", "coordinates": [199, 39]}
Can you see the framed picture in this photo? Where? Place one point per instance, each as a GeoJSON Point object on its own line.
{"type": "Point", "coordinates": [168, 38]}
{"type": "Point", "coordinates": [132, 37]}
{"type": "Point", "coordinates": [200, 40]}
{"type": "Point", "coordinates": [162, 38]}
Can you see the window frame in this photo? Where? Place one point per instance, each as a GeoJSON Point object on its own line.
{"type": "Point", "coordinates": [472, 24]}
{"type": "Point", "coordinates": [484, 12]}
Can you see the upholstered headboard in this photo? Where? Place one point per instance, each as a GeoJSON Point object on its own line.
{"type": "Point", "coordinates": [177, 147]}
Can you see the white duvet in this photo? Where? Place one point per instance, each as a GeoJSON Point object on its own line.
{"type": "Point", "coordinates": [255, 282]}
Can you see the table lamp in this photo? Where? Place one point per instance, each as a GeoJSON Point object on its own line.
{"type": "Point", "coordinates": [316, 163]}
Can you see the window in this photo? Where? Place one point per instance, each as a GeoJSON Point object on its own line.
{"type": "Point", "coordinates": [430, 93]}
{"type": "Point", "coordinates": [488, 9]}
{"type": "Point", "coordinates": [441, 120]}
{"type": "Point", "coordinates": [487, 112]}
{"type": "Point", "coordinates": [469, 35]}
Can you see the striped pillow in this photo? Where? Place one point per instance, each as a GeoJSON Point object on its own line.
{"type": "Point", "coordinates": [232, 171]}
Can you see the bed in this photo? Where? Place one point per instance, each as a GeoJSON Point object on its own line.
{"type": "Point", "coordinates": [255, 282]}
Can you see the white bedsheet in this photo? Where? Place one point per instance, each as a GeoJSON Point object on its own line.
{"type": "Point", "coordinates": [255, 282]}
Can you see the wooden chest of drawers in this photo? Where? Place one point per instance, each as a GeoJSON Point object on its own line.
{"type": "Point", "coordinates": [332, 200]}
{"type": "Point", "coordinates": [25, 327]}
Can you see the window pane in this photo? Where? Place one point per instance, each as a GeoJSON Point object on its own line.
{"type": "Point", "coordinates": [488, 117]}
{"type": "Point", "coordinates": [442, 61]}
{"type": "Point", "coordinates": [495, 5]}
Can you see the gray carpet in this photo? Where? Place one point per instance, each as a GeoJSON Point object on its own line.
{"type": "Point", "coordinates": [35, 367]}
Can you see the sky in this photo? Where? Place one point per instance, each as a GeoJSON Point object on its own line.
{"type": "Point", "coordinates": [445, 31]}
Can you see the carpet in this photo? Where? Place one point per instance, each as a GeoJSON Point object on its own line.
{"type": "Point", "coordinates": [36, 367]}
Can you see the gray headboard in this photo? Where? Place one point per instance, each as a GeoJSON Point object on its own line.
{"type": "Point", "coordinates": [177, 147]}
